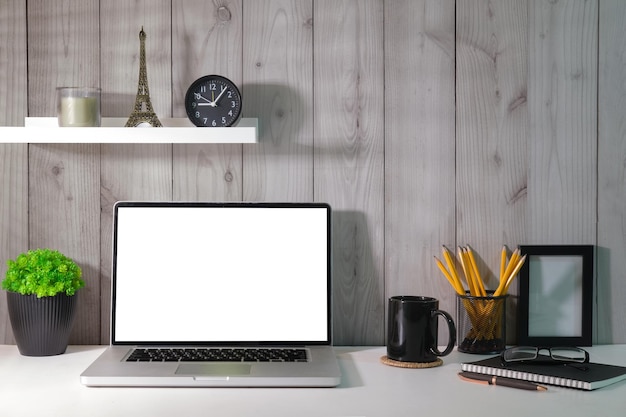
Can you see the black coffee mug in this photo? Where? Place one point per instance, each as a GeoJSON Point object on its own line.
{"type": "Point", "coordinates": [412, 329]}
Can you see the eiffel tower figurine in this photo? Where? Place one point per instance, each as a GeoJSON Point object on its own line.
{"type": "Point", "coordinates": [143, 112]}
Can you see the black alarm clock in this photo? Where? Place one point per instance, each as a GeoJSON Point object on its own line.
{"type": "Point", "coordinates": [213, 101]}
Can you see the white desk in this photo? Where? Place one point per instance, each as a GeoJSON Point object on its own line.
{"type": "Point", "coordinates": [50, 386]}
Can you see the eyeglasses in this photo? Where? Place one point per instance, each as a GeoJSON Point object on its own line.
{"type": "Point", "coordinates": [520, 354]}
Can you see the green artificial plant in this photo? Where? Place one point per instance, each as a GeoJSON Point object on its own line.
{"type": "Point", "coordinates": [43, 272]}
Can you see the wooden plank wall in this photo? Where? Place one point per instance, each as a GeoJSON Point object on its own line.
{"type": "Point", "coordinates": [611, 279]}
{"type": "Point", "coordinates": [422, 122]}
{"type": "Point", "coordinates": [492, 137]}
{"type": "Point", "coordinates": [13, 157]}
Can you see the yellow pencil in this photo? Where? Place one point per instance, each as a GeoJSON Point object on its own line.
{"type": "Point", "coordinates": [502, 262]}
{"type": "Point", "coordinates": [466, 270]}
{"type": "Point", "coordinates": [472, 274]}
{"type": "Point", "coordinates": [507, 271]}
{"type": "Point", "coordinates": [479, 281]}
{"type": "Point", "coordinates": [503, 288]}
{"type": "Point", "coordinates": [451, 266]}
{"type": "Point", "coordinates": [519, 265]}
{"type": "Point", "coordinates": [512, 264]}
{"type": "Point", "coordinates": [448, 277]}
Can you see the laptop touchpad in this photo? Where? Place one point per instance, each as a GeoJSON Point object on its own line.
{"type": "Point", "coordinates": [213, 369]}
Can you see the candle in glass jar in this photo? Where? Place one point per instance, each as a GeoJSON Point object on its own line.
{"type": "Point", "coordinates": [78, 107]}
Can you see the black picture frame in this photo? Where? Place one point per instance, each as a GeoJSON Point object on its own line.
{"type": "Point", "coordinates": [555, 305]}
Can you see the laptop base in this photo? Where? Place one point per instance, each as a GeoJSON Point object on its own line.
{"type": "Point", "coordinates": [110, 370]}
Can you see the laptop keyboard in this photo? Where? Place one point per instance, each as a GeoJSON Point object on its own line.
{"type": "Point", "coordinates": [218, 355]}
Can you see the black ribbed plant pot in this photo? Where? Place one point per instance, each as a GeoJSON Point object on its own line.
{"type": "Point", "coordinates": [41, 326]}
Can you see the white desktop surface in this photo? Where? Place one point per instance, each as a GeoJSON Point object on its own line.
{"type": "Point", "coordinates": [50, 386]}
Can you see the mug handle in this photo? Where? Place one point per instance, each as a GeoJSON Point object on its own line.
{"type": "Point", "coordinates": [451, 328]}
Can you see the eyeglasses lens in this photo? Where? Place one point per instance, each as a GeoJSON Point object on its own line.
{"type": "Point", "coordinates": [520, 354]}
{"type": "Point", "coordinates": [568, 354]}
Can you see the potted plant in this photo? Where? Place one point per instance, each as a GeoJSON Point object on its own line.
{"type": "Point", "coordinates": [41, 285]}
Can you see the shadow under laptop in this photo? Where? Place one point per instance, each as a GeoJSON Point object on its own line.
{"type": "Point", "coordinates": [350, 376]}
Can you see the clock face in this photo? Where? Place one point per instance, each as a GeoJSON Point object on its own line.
{"type": "Point", "coordinates": [213, 101]}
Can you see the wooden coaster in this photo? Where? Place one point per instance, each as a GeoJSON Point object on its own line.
{"type": "Point", "coordinates": [412, 365]}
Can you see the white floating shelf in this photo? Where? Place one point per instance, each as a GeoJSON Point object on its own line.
{"type": "Point", "coordinates": [179, 130]}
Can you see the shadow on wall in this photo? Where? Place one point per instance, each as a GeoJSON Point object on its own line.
{"type": "Point", "coordinates": [602, 307]}
{"type": "Point", "coordinates": [280, 110]}
{"type": "Point", "coordinates": [358, 298]}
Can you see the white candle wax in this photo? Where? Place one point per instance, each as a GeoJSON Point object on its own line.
{"type": "Point", "coordinates": [79, 112]}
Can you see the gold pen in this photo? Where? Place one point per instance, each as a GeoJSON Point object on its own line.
{"type": "Point", "coordinates": [500, 380]}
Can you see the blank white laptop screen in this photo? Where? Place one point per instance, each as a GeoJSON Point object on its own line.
{"type": "Point", "coordinates": [202, 273]}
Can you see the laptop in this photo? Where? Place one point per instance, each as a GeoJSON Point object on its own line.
{"type": "Point", "coordinates": [219, 295]}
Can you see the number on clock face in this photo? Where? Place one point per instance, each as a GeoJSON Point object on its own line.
{"type": "Point", "coordinates": [213, 101]}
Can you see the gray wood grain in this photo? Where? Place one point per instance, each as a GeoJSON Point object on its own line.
{"type": "Point", "coordinates": [491, 129]}
{"type": "Point", "coordinates": [278, 69]}
{"type": "Point", "coordinates": [132, 172]}
{"type": "Point", "coordinates": [13, 157]}
{"type": "Point", "coordinates": [611, 263]}
{"type": "Point", "coordinates": [206, 39]}
{"type": "Point", "coordinates": [492, 133]}
{"type": "Point", "coordinates": [64, 180]}
{"type": "Point", "coordinates": [419, 146]}
{"type": "Point", "coordinates": [562, 166]}
{"type": "Point", "coordinates": [349, 100]}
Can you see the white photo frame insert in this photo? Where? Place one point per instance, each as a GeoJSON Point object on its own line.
{"type": "Point", "coordinates": [556, 296]}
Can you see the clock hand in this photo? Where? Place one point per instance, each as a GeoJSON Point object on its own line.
{"type": "Point", "coordinates": [219, 96]}
{"type": "Point", "coordinates": [198, 96]}
{"type": "Point", "coordinates": [214, 102]}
